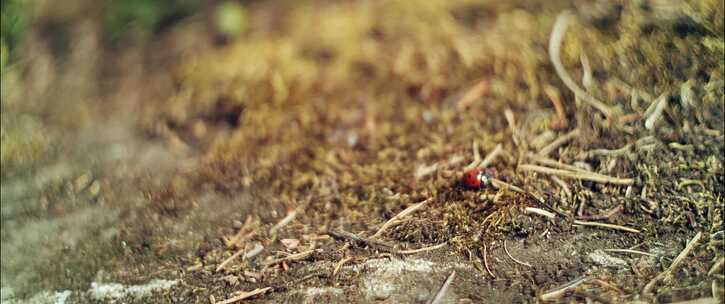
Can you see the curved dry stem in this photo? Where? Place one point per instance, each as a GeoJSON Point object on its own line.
{"type": "Point", "coordinates": [557, 36]}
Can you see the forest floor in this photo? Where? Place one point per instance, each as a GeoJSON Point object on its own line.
{"type": "Point", "coordinates": [309, 159]}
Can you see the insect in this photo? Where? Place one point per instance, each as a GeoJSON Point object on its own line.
{"type": "Point", "coordinates": [476, 178]}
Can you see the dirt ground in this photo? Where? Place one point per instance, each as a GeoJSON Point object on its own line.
{"type": "Point", "coordinates": [195, 168]}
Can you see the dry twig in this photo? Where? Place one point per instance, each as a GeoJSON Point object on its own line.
{"type": "Point", "coordinates": [558, 292]}
{"type": "Point", "coordinates": [491, 156]}
{"type": "Point", "coordinates": [557, 36]}
{"type": "Point", "coordinates": [630, 251]}
{"type": "Point", "coordinates": [583, 175]}
{"type": "Point", "coordinates": [485, 261]}
{"type": "Point", "coordinates": [513, 258]}
{"type": "Point", "coordinates": [354, 238]}
{"type": "Point", "coordinates": [675, 264]}
{"type": "Point", "coordinates": [339, 264]}
{"type": "Point", "coordinates": [607, 226]}
{"type": "Point", "coordinates": [245, 295]}
{"type": "Point", "coordinates": [716, 267]}
{"type": "Point", "coordinates": [434, 247]}
{"type": "Point", "coordinates": [442, 292]}
{"type": "Point", "coordinates": [286, 220]}
{"type": "Point", "coordinates": [476, 156]}
{"type": "Point", "coordinates": [292, 257]}
{"type": "Point", "coordinates": [474, 93]}
{"type": "Point", "coordinates": [396, 219]}
{"type": "Point", "coordinates": [558, 142]}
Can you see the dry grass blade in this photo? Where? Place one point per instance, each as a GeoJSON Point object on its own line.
{"type": "Point", "coordinates": [558, 292]}
{"type": "Point", "coordinates": [561, 184]}
{"type": "Point", "coordinates": [558, 142]}
{"type": "Point", "coordinates": [553, 94]}
{"type": "Point", "coordinates": [513, 258]}
{"type": "Point", "coordinates": [286, 220]}
{"type": "Point", "coordinates": [474, 93]}
{"type": "Point", "coordinates": [557, 36]}
{"type": "Point", "coordinates": [606, 226]}
{"type": "Point", "coordinates": [675, 264]}
{"type": "Point", "coordinates": [229, 260]}
{"type": "Point", "coordinates": [245, 295]}
{"type": "Point", "coordinates": [442, 291]}
{"type": "Point", "coordinates": [716, 267]}
{"type": "Point", "coordinates": [395, 219]}
{"type": "Point", "coordinates": [293, 257]}
{"type": "Point", "coordinates": [347, 236]}
{"type": "Point", "coordinates": [485, 261]}
{"type": "Point", "coordinates": [654, 112]}
{"type": "Point", "coordinates": [509, 115]}
{"type": "Point", "coordinates": [589, 176]}
{"type": "Point", "coordinates": [699, 301]}
{"type": "Point", "coordinates": [434, 247]}
{"type": "Point", "coordinates": [476, 156]}
{"type": "Point", "coordinates": [630, 251]}
{"type": "Point", "coordinates": [499, 184]}
{"type": "Point", "coordinates": [339, 264]}
{"type": "Point", "coordinates": [541, 212]}
{"type": "Point", "coordinates": [553, 163]}
{"type": "Point", "coordinates": [491, 156]}
{"type": "Point", "coordinates": [240, 236]}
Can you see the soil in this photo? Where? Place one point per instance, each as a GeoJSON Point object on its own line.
{"type": "Point", "coordinates": [339, 116]}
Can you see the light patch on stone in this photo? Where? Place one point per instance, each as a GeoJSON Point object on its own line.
{"type": "Point", "coordinates": [317, 291]}
{"type": "Point", "coordinates": [388, 276]}
{"type": "Point", "coordinates": [106, 291]}
{"type": "Point", "coordinates": [601, 258]}
{"type": "Point", "coordinates": [44, 297]}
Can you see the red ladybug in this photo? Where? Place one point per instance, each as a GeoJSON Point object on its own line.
{"type": "Point", "coordinates": [476, 178]}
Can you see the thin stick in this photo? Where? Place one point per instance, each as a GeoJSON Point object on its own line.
{"type": "Point", "coordinates": [631, 251]}
{"type": "Point", "coordinates": [339, 264]}
{"type": "Point", "coordinates": [612, 212]}
{"type": "Point", "coordinates": [606, 152]}
{"type": "Point", "coordinates": [291, 257]}
{"type": "Point", "coordinates": [442, 292]}
{"type": "Point", "coordinates": [509, 115]}
{"type": "Point", "coordinates": [354, 238]}
{"type": "Point", "coordinates": [476, 156]}
{"type": "Point", "coordinates": [229, 260]}
{"type": "Point", "coordinates": [434, 247]}
{"type": "Point", "coordinates": [553, 94]}
{"type": "Point", "coordinates": [395, 219]}
{"type": "Point", "coordinates": [513, 258]}
{"type": "Point", "coordinates": [594, 177]}
{"type": "Point", "coordinates": [561, 184]}
{"type": "Point", "coordinates": [245, 295]}
{"type": "Point", "coordinates": [675, 264]}
{"type": "Point", "coordinates": [560, 291]}
{"type": "Point", "coordinates": [699, 301]}
{"type": "Point", "coordinates": [660, 105]}
{"type": "Point", "coordinates": [499, 184]}
{"type": "Point", "coordinates": [485, 261]}
{"type": "Point", "coordinates": [556, 164]}
{"type": "Point", "coordinates": [606, 226]}
{"type": "Point", "coordinates": [587, 68]}
{"type": "Point", "coordinates": [716, 267]}
{"type": "Point", "coordinates": [491, 156]}
{"type": "Point", "coordinates": [239, 236]}
{"type": "Point", "coordinates": [475, 92]}
{"type": "Point", "coordinates": [557, 36]}
{"type": "Point", "coordinates": [541, 212]}
{"type": "Point", "coordinates": [286, 220]}
{"type": "Point", "coordinates": [558, 142]}
{"type": "Point", "coordinates": [254, 252]}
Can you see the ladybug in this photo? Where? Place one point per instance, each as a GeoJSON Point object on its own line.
{"type": "Point", "coordinates": [476, 178]}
